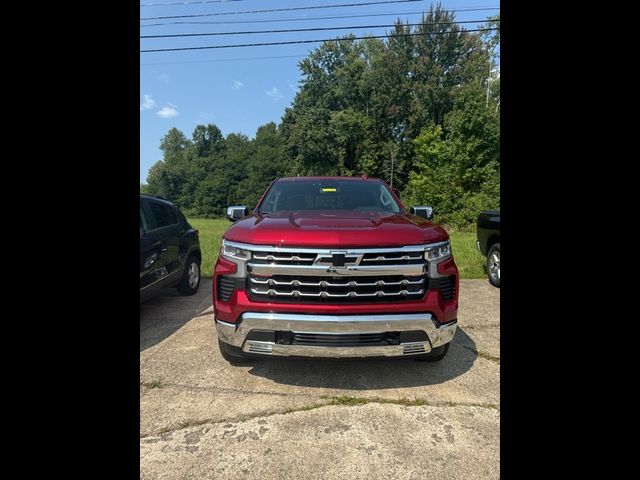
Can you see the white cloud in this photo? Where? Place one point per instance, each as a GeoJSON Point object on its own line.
{"type": "Point", "coordinates": [168, 111]}
{"type": "Point", "coordinates": [147, 103]}
{"type": "Point", "coordinates": [292, 86]}
{"type": "Point", "coordinates": [163, 77]}
{"type": "Point", "coordinates": [237, 84]}
{"type": "Point", "coordinates": [274, 93]}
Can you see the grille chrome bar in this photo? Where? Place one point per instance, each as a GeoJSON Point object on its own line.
{"type": "Point", "coordinates": [296, 293]}
{"type": "Point", "coordinates": [282, 258]}
{"type": "Point", "coordinates": [382, 258]}
{"type": "Point", "coordinates": [322, 283]}
{"type": "Point", "coordinates": [360, 270]}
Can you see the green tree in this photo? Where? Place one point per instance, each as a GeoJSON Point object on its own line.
{"type": "Point", "coordinates": [457, 165]}
{"type": "Point", "coordinates": [207, 140]}
{"type": "Point", "coordinates": [360, 103]}
{"type": "Point", "coordinates": [266, 162]}
{"type": "Point", "coordinates": [173, 146]}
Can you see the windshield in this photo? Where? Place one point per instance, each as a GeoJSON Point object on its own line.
{"type": "Point", "coordinates": [359, 196]}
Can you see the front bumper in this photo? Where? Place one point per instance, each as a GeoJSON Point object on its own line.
{"type": "Point", "coordinates": [236, 334]}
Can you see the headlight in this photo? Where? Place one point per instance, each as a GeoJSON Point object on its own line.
{"type": "Point", "coordinates": [234, 252]}
{"type": "Point", "coordinates": [438, 251]}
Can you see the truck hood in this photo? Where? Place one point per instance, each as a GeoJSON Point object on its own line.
{"type": "Point", "coordinates": [335, 228]}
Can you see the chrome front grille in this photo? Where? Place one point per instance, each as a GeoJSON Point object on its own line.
{"type": "Point", "coordinates": [337, 275]}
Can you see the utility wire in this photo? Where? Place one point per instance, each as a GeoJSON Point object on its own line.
{"type": "Point", "coordinates": [224, 60]}
{"type": "Point", "coordinates": [294, 19]}
{"type": "Point", "coordinates": [313, 41]}
{"type": "Point", "coordinates": [315, 29]}
{"type": "Point", "coordinates": [314, 7]}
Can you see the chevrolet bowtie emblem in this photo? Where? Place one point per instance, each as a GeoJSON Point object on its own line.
{"type": "Point", "coordinates": [338, 259]}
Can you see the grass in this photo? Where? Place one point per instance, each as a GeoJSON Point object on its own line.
{"type": "Point", "coordinates": [416, 402]}
{"type": "Point", "coordinates": [211, 230]}
{"type": "Point", "coordinates": [467, 257]}
{"type": "Point", "coordinates": [190, 422]}
{"type": "Point", "coordinates": [155, 384]}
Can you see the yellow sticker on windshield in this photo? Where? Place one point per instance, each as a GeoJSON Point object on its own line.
{"type": "Point", "coordinates": [328, 189]}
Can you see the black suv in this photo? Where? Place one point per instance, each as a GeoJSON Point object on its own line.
{"type": "Point", "coordinates": [169, 249]}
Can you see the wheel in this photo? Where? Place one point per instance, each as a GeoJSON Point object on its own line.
{"type": "Point", "coordinates": [232, 354]}
{"type": "Point", "coordinates": [435, 355]}
{"type": "Point", "coordinates": [493, 265]}
{"type": "Point", "coordinates": [191, 277]}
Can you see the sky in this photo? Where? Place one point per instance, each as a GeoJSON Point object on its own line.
{"type": "Point", "coordinates": [239, 89]}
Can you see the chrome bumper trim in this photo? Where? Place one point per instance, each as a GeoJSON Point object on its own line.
{"type": "Point", "coordinates": [236, 334]}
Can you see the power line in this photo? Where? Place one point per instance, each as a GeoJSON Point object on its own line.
{"type": "Point", "coordinates": [294, 19]}
{"type": "Point", "coordinates": [187, 3]}
{"type": "Point", "coordinates": [313, 7]}
{"type": "Point", "coordinates": [313, 41]}
{"type": "Point", "coordinates": [315, 29]}
{"type": "Point", "coordinates": [223, 60]}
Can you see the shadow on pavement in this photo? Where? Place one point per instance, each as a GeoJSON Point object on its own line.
{"type": "Point", "coordinates": [370, 374]}
{"type": "Point", "coordinates": [166, 313]}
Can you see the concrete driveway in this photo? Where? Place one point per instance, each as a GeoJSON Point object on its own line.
{"type": "Point", "coordinates": [201, 417]}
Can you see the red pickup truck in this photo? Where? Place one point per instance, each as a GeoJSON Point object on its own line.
{"type": "Point", "coordinates": [334, 267]}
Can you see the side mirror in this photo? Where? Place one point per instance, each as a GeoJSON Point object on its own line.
{"type": "Point", "coordinates": [424, 212]}
{"type": "Point", "coordinates": [236, 212]}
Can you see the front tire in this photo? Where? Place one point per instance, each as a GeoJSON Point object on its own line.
{"type": "Point", "coordinates": [435, 355]}
{"type": "Point", "coordinates": [230, 354]}
{"type": "Point", "coordinates": [493, 265]}
{"type": "Point", "coordinates": [191, 277]}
